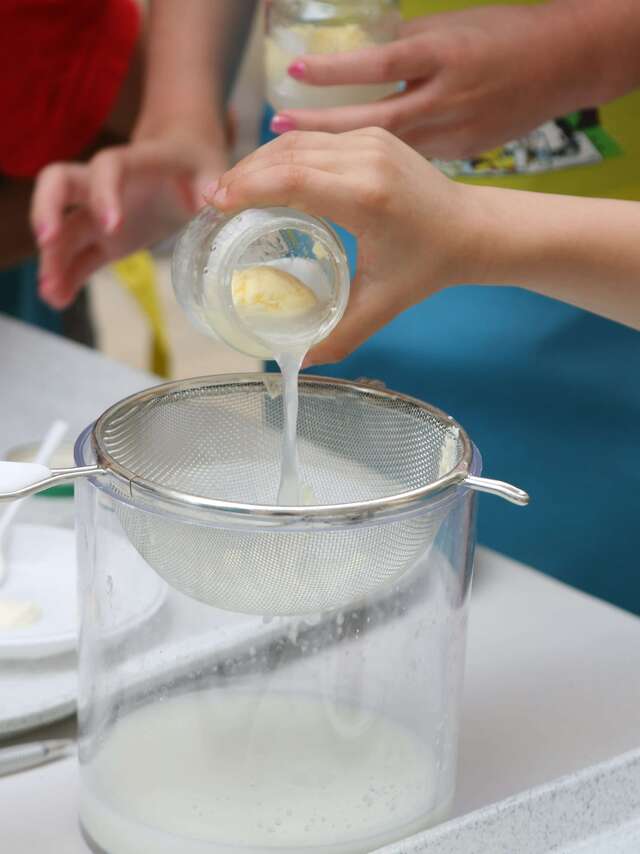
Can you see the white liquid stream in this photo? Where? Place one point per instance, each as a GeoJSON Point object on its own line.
{"type": "Point", "coordinates": [215, 772]}
{"type": "Point", "coordinates": [289, 339]}
{"type": "Point", "coordinates": [290, 489]}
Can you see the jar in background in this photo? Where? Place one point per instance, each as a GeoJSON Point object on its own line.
{"type": "Point", "coordinates": [213, 249]}
{"type": "Point", "coordinates": [297, 27]}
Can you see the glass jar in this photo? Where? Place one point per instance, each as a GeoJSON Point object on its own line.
{"type": "Point", "coordinates": [298, 27]}
{"type": "Point", "coordinates": [210, 731]}
{"type": "Point", "coordinates": [213, 248]}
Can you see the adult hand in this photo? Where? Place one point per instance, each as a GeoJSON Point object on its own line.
{"type": "Point", "coordinates": [474, 79]}
{"type": "Point", "coordinates": [125, 198]}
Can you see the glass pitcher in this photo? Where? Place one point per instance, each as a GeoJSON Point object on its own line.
{"type": "Point", "coordinates": [326, 724]}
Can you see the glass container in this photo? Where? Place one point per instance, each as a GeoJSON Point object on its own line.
{"type": "Point", "coordinates": [209, 731]}
{"type": "Point", "coordinates": [298, 27]}
{"type": "Point", "coordinates": [213, 248]}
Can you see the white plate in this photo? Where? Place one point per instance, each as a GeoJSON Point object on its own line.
{"type": "Point", "coordinates": [42, 569]}
{"type": "Point", "coordinates": [34, 693]}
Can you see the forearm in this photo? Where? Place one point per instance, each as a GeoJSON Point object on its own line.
{"type": "Point", "coordinates": [595, 44]}
{"type": "Point", "coordinates": [194, 49]}
{"type": "Point", "coordinates": [581, 251]}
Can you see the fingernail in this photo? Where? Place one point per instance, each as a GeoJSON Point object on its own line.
{"type": "Point", "coordinates": [110, 220]}
{"type": "Point", "coordinates": [219, 196]}
{"type": "Point", "coordinates": [282, 124]}
{"type": "Point", "coordinates": [211, 189]}
{"type": "Point", "coordinates": [297, 69]}
{"type": "Point", "coordinates": [47, 292]}
{"type": "Point", "coordinates": [47, 289]}
{"type": "Point", "coordinates": [43, 233]}
{"type": "Point", "coordinates": [307, 363]}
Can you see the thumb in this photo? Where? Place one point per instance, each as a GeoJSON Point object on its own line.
{"type": "Point", "coordinates": [205, 181]}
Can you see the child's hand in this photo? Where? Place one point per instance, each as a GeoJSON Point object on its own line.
{"type": "Point", "coordinates": [86, 215]}
{"type": "Point", "coordinates": [474, 78]}
{"type": "Point", "coordinates": [410, 221]}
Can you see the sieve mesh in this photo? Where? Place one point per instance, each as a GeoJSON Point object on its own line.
{"type": "Point", "coordinates": [223, 441]}
{"type": "Point", "coordinates": [220, 439]}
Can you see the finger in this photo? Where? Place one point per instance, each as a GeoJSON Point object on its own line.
{"type": "Point", "coordinates": [332, 162]}
{"type": "Point", "coordinates": [368, 311]}
{"type": "Point", "coordinates": [58, 186]}
{"type": "Point", "coordinates": [444, 143]}
{"type": "Point", "coordinates": [275, 148]}
{"type": "Point", "coordinates": [60, 293]}
{"type": "Point", "coordinates": [389, 113]}
{"type": "Point", "coordinates": [415, 26]}
{"type": "Point", "coordinates": [110, 169]}
{"type": "Point", "coordinates": [300, 187]}
{"type": "Point", "coordinates": [274, 151]}
{"type": "Point", "coordinates": [404, 59]}
{"type": "Point", "coordinates": [107, 173]}
{"type": "Point", "coordinates": [197, 185]}
{"type": "Point", "coordinates": [309, 140]}
{"type": "Point", "coordinates": [108, 176]}
{"type": "Point", "coordinates": [77, 232]}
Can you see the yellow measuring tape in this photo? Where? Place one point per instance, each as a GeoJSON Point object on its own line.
{"type": "Point", "coordinates": [137, 274]}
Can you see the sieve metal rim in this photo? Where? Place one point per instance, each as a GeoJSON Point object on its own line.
{"type": "Point", "coordinates": [347, 512]}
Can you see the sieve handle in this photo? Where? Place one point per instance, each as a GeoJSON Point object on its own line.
{"type": "Point", "coordinates": [19, 480]}
{"type": "Point", "coordinates": [499, 488]}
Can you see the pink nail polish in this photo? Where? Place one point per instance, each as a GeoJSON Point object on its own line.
{"type": "Point", "coordinates": [282, 124]}
{"type": "Point", "coordinates": [52, 298]}
{"type": "Point", "coordinates": [43, 233]}
{"type": "Point", "coordinates": [110, 221]}
{"type": "Point", "coordinates": [219, 196]}
{"type": "Point", "coordinates": [47, 291]}
{"type": "Point", "coordinates": [297, 69]}
{"type": "Point", "coordinates": [211, 189]}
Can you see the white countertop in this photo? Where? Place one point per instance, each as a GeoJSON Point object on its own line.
{"type": "Point", "coordinates": [553, 676]}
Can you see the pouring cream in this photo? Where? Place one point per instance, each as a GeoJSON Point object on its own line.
{"type": "Point", "coordinates": [271, 283]}
{"type": "Point", "coordinates": [284, 312]}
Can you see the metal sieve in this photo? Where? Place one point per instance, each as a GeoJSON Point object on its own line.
{"type": "Point", "coordinates": [195, 464]}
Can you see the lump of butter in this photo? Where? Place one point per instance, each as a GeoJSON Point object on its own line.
{"type": "Point", "coordinates": [336, 39]}
{"type": "Point", "coordinates": [271, 291]}
{"type": "Point", "coordinates": [18, 615]}
{"type": "Point", "coordinates": [310, 38]}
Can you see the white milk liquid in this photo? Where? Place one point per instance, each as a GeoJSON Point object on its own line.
{"type": "Point", "coordinates": [289, 339]}
{"type": "Point", "coordinates": [286, 44]}
{"type": "Point", "coordinates": [290, 489]}
{"type": "Point", "coordinates": [218, 772]}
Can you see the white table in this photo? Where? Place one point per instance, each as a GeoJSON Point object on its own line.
{"type": "Point", "coordinates": [553, 676]}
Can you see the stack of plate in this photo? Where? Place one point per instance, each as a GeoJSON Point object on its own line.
{"type": "Point", "coordinates": [38, 661]}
